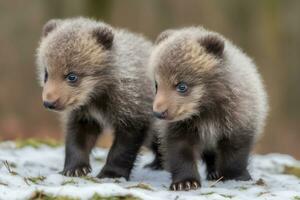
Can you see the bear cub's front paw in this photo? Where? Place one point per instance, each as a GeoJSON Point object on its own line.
{"type": "Point", "coordinates": [185, 185]}
{"type": "Point", "coordinates": [77, 171]}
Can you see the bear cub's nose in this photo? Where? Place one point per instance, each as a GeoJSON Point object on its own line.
{"type": "Point", "coordinates": [50, 105]}
{"type": "Point", "coordinates": [161, 115]}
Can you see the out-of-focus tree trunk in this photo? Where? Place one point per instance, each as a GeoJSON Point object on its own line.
{"type": "Point", "coordinates": [99, 9]}
{"type": "Point", "coordinates": [54, 8]}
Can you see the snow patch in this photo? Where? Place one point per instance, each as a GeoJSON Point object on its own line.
{"type": "Point", "coordinates": [25, 171]}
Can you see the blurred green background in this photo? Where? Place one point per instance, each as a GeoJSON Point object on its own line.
{"type": "Point", "coordinates": [268, 30]}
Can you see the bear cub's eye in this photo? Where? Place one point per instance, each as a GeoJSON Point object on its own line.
{"type": "Point", "coordinates": [72, 77]}
{"type": "Point", "coordinates": [181, 87]}
{"type": "Point", "coordinates": [155, 87]}
{"type": "Point", "coordinates": [45, 76]}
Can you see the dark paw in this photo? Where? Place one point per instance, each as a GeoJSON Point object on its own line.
{"type": "Point", "coordinates": [245, 176]}
{"type": "Point", "coordinates": [213, 175]}
{"type": "Point", "coordinates": [111, 174]}
{"type": "Point", "coordinates": [185, 185]}
{"type": "Point", "coordinates": [77, 171]}
{"type": "Point", "coordinates": [154, 165]}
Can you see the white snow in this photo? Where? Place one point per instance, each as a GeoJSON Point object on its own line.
{"type": "Point", "coordinates": [43, 164]}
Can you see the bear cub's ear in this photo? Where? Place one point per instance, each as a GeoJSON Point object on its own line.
{"type": "Point", "coordinates": [50, 26]}
{"type": "Point", "coordinates": [213, 44]}
{"type": "Point", "coordinates": [164, 35]}
{"type": "Point", "coordinates": [104, 36]}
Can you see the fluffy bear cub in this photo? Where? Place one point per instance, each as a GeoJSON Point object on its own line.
{"type": "Point", "coordinates": [211, 102]}
{"type": "Point", "coordinates": [94, 75]}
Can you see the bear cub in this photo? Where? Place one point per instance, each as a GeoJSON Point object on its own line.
{"type": "Point", "coordinates": [211, 102]}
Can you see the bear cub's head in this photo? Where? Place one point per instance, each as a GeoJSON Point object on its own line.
{"type": "Point", "coordinates": [73, 61]}
{"type": "Point", "coordinates": [183, 64]}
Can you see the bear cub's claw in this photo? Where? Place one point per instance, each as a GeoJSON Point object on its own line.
{"type": "Point", "coordinates": [185, 185]}
{"type": "Point", "coordinates": [77, 171]}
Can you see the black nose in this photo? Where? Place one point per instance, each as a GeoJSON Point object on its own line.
{"type": "Point", "coordinates": [160, 115]}
{"type": "Point", "coordinates": [50, 105]}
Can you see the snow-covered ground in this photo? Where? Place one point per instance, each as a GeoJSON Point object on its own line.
{"type": "Point", "coordinates": [32, 173]}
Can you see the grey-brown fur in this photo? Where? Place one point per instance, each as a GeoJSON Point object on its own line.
{"type": "Point", "coordinates": [219, 116]}
{"type": "Point", "coordinates": [111, 90]}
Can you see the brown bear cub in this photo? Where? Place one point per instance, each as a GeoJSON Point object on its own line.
{"type": "Point", "coordinates": [212, 103]}
{"type": "Point", "coordinates": [95, 76]}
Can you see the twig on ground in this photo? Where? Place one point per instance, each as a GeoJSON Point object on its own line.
{"type": "Point", "coordinates": [7, 166]}
{"type": "Point", "coordinates": [217, 181]}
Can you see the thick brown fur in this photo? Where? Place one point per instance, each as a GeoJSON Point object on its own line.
{"type": "Point", "coordinates": [219, 115]}
{"type": "Point", "coordinates": [111, 90]}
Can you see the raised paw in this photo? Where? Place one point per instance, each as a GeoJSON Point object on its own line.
{"type": "Point", "coordinates": [213, 175]}
{"type": "Point", "coordinates": [185, 185]}
{"type": "Point", "coordinates": [76, 171]}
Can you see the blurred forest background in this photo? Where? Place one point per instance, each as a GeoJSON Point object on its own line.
{"type": "Point", "coordinates": [268, 30]}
